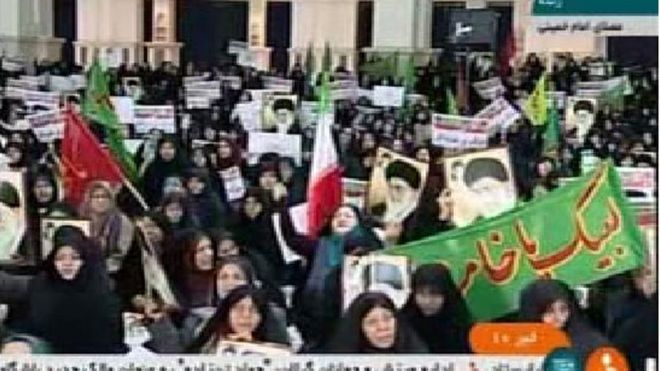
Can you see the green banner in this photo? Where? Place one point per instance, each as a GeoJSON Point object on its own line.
{"type": "Point", "coordinates": [592, 7]}
{"type": "Point", "coordinates": [580, 233]}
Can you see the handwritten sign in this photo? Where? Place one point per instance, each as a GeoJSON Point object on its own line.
{"type": "Point", "coordinates": [388, 96]}
{"type": "Point", "coordinates": [500, 115]}
{"type": "Point", "coordinates": [47, 126]}
{"type": "Point", "coordinates": [44, 99]}
{"type": "Point", "coordinates": [233, 182]}
{"type": "Point", "coordinates": [459, 132]}
{"type": "Point", "coordinates": [287, 145]}
{"type": "Point", "coordinates": [147, 118]}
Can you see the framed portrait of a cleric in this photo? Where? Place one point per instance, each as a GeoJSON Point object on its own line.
{"type": "Point", "coordinates": [481, 185]}
{"type": "Point", "coordinates": [49, 227]}
{"type": "Point", "coordinates": [13, 214]}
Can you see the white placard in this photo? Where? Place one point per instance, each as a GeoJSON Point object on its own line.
{"type": "Point", "coordinates": [489, 89]}
{"type": "Point", "coordinates": [638, 183]}
{"type": "Point", "coordinates": [388, 274]}
{"type": "Point", "coordinates": [12, 92]}
{"type": "Point", "coordinates": [233, 182]}
{"type": "Point", "coordinates": [198, 103]}
{"type": "Point", "coordinates": [39, 98]}
{"type": "Point", "coordinates": [234, 82]}
{"type": "Point", "coordinates": [388, 96]}
{"type": "Point", "coordinates": [188, 80]}
{"type": "Point", "coordinates": [47, 126]}
{"type": "Point", "coordinates": [500, 115]}
{"type": "Point", "coordinates": [287, 145]}
{"type": "Point", "coordinates": [12, 65]}
{"type": "Point", "coordinates": [27, 84]}
{"type": "Point", "coordinates": [210, 89]}
{"type": "Point", "coordinates": [78, 81]}
{"type": "Point", "coordinates": [61, 84]}
{"type": "Point", "coordinates": [277, 83]}
{"type": "Point", "coordinates": [250, 115]}
{"type": "Point", "coordinates": [146, 118]}
{"type": "Point", "coordinates": [123, 108]}
{"type": "Point", "coordinates": [459, 132]}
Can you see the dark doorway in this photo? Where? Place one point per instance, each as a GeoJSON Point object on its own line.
{"type": "Point", "coordinates": [278, 31]}
{"type": "Point", "coordinates": [365, 27]}
{"type": "Point", "coordinates": [207, 26]}
{"type": "Point", "coordinates": [633, 50]}
{"type": "Point", "coordinates": [64, 26]}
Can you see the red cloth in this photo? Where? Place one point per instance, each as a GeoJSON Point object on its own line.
{"type": "Point", "coordinates": [83, 159]}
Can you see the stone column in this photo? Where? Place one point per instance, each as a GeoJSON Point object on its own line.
{"type": "Point", "coordinates": [257, 34]}
{"type": "Point", "coordinates": [403, 26]}
{"type": "Point", "coordinates": [26, 30]}
{"type": "Point", "coordinates": [315, 22]}
{"type": "Point", "coordinates": [114, 27]}
{"type": "Point", "coordinates": [164, 47]}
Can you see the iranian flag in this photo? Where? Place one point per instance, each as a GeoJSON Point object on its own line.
{"type": "Point", "coordinates": [324, 193]}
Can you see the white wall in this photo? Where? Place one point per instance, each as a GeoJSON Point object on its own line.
{"type": "Point", "coordinates": [9, 17]}
{"type": "Point", "coordinates": [402, 24]}
{"type": "Point", "coordinates": [110, 20]}
{"type": "Point", "coordinates": [318, 21]}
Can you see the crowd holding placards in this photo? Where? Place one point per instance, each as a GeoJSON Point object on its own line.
{"type": "Point", "coordinates": [220, 257]}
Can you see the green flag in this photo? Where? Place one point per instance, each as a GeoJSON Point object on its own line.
{"type": "Point", "coordinates": [410, 78]}
{"type": "Point", "coordinates": [452, 108]}
{"type": "Point", "coordinates": [552, 133]}
{"type": "Point", "coordinates": [536, 107]}
{"type": "Point", "coordinates": [98, 107]}
{"type": "Point", "coordinates": [580, 233]}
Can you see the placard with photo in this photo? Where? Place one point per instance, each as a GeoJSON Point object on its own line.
{"type": "Point", "coordinates": [49, 227]}
{"type": "Point", "coordinates": [388, 274]}
{"type": "Point", "coordinates": [13, 213]}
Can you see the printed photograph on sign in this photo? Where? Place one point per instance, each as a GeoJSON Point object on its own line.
{"type": "Point", "coordinates": [481, 184]}
{"type": "Point", "coordinates": [237, 348]}
{"type": "Point", "coordinates": [13, 213]}
{"type": "Point", "coordinates": [395, 186]}
{"type": "Point", "coordinates": [376, 273]}
{"type": "Point", "coordinates": [279, 112]}
{"type": "Point", "coordinates": [580, 115]}
{"type": "Point", "coordinates": [49, 227]}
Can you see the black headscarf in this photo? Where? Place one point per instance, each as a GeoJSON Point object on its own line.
{"type": "Point", "coordinates": [349, 337]}
{"type": "Point", "coordinates": [81, 315]}
{"type": "Point", "coordinates": [159, 170]}
{"type": "Point", "coordinates": [536, 298]}
{"type": "Point", "coordinates": [445, 332]}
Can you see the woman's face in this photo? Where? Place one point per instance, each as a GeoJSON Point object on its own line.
{"type": "Point", "coordinates": [43, 191]}
{"type": "Point", "coordinates": [229, 277]}
{"type": "Point", "coordinates": [428, 301]}
{"type": "Point", "coordinates": [379, 328]}
{"type": "Point", "coordinates": [199, 159]}
{"type": "Point", "coordinates": [167, 151]}
{"type": "Point", "coordinates": [68, 262]}
{"type": "Point", "coordinates": [267, 180]}
{"type": "Point", "coordinates": [252, 207]}
{"type": "Point", "coordinates": [244, 317]}
{"type": "Point", "coordinates": [224, 149]}
{"type": "Point", "coordinates": [227, 247]}
{"type": "Point", "coordinates": [344, 220]}
{"type": "Point", "coordinates": [544, 168]}
{"type": "Point", "coordinates": [204, 254]}
{"type": "Point", "coordinates": [196, 186]}
{"type": "Point", "coordinates": [100, 200]}
{"type": "Point", "coordinates": [557, 314]}
{"type": "Point", "coordinates": [174, 212]}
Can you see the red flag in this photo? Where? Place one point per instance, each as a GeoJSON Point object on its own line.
{"type": "Point", "coordinates": [324, 193]}
{"type": "Point", "coordinates": [83, 159]}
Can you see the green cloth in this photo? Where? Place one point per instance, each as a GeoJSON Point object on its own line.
{"type": "Point", "coordinates": [98, 107]}
{"type": "Point", "coordinates": [580, 233]}
{"type": "Point", "coordinates": [552, 133]}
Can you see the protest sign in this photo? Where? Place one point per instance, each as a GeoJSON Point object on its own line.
{"type": "Point", "coordinates": [12, 92]}
{"type": "Point", "coordinates": [249, 113]}
{"type": "Point", "coordinates": [278, 84]}
{"type": "Point", "coordinates": [308, 113]}
{"type": "Point", "coordinates": [388, 274]}
{"type": "Point", "coordinates": [279, 111]}
{"type": "Point", "coordinates": [580, 115]}
{"type": "Point", "coordinates": [23, 84]}
{"type": "Point", "coordinates": [638, 183]}
{"type": "Point", "coordinates": [492, 261]}
{"type": "Point", "coordinates": [12, 65]}
{"type": "Point", "coordinates": [195, 102]}
{"type": "Point", "coordinates": [365, 93]}
{"type": "Point", "coordinates": [147, 118]}
{"type": "Point", "coordinates": [233, 183]}
{"type": "Point", "coordinates": [124, 109]}
{"type": "Point", "coordinates": [43, 99]}
{"type": "Point", "coordinates": [388, 96]}
{"type": "Point", "coordinates": [47, 126]}
{"type": "Point", "coordinates": [49, 227]}
{"type": "Point", "coordinates": [246, 58]}
{"type": "Point", "coordinates": [405, 176]}
{"type": "Point", "coordinates": [558, 98]}
{"type": "Point", "coordinates": [236, 47]}
{"type": "Point", "coordinates": [61, 84]}
{"type": "Point", "coordinates": [459, 132]}
{"type": "Point", "coordinates": [234, 82]}
{"type": "Point", "coordinates": [482, 184]}
{"type": "Point", "coordinates": [286, 145]}
{"type": "Point", "coordinates": [78, 81]}
{"type": "Point", "coordinates": [489, 89]}
{"type": "Point", "coordinates": [188, 80]}
{"type": "Point", "coordinates": [209, 89]}
{"type": "Point", "coordinates": [500, 115]}
{"type": "Point", "coordinates": [13, 213]}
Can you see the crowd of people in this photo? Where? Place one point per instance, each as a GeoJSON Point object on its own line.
{"type": "Point", "coordinates": [222, 258]}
